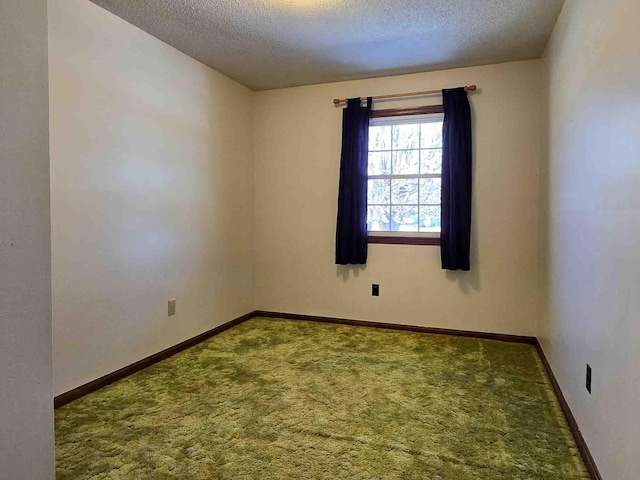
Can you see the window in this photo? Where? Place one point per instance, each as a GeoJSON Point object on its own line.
{"type": "Point", "coordinates": [404, 176]}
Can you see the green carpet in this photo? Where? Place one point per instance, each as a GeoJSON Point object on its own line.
{"type": "Point", "coordinates": [279, 399]}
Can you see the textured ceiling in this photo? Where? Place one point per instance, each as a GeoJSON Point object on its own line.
{"type": "Point", "coordinates": [279, 43]}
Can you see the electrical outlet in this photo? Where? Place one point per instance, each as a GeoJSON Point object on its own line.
{"type": "Point", "coordinates": [171, 310]}
{"type": "Point", "coordinates": [588, 384]}
{"type": "Point", "coordinates": [375, 290]}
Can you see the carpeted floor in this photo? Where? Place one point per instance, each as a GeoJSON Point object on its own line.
{"type": "Point", "coordinates": [278, 399]}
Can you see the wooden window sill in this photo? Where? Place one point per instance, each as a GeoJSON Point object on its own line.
{"type": "Point", "coordinates": [395, 240]}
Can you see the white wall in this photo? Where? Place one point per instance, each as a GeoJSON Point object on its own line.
{"type": "Point", "coordinates": [26, 405]}
{"type": "Point", "coordinates": [590, 255]}
{"type": "Point", "coordinates": [152, 194]}
{"type": "Point", "coordinates": [297, 156]}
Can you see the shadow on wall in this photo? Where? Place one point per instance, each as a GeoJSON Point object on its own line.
{"type": "Point", "coordinates": [469, 281]}
{"type": "Point", "coordinates": [346, 271]}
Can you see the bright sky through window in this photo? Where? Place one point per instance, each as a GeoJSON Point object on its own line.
{"type": "Point", "coordinates": [404, 174]}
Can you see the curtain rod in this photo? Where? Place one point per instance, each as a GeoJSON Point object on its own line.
{"type": "Point", "coordinates": [468, 88]}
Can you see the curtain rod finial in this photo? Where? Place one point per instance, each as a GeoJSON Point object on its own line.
{"type": "Point", "coordinates": [337, 101]}
{"type": "Point", "coordinates": [471, 88]}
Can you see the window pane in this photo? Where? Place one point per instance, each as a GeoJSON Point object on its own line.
{"type": "Point", "coordinates": [406, 136]}
{"type": "Point", "coordinates": [430, 190]}
{"type": "Point", "coordinates": [404, 219]}
{"type": "Point", "coordinates": [431, 161]}
{"type": "Point", "coordinates": [378, 192]}
{"type": "Point", "coordinates": [431, 135]}
{"type": "Point", "coordinates": [378, 218]}
{"type": "Point", "coordinates": [405, 162]}
{"type": "Point", "coordinates": [379, 163]}
{"type": "Point", "coordinates": [380, 138]}
{"type": "Point", "coordinates": [404, 191]}
{"type": "Point", "coordinates": [429, 219]}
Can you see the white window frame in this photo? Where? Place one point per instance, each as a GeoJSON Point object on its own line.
{"type": "Point", "coordinates": [400, 120]}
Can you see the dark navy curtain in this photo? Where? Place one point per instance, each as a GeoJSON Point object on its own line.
{"type": "Point", "coordinates": [455, 236]}
{"type": "Point", "coordinates": [351, 231]}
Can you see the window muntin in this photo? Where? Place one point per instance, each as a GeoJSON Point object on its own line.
{"type": "Point", "coordinates": [404, 175]}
